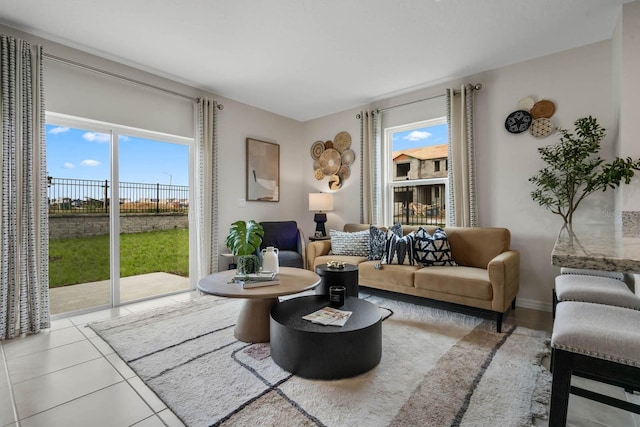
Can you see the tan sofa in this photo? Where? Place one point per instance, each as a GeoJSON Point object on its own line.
{"type": "Point", "coordinates": [487, 275]}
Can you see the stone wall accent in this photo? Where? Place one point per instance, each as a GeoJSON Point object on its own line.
{"type": "Point", "coordinates": [85, 225]}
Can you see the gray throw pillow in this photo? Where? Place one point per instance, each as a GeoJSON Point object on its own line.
{"type": "Point", "coordinates": [354, 244]}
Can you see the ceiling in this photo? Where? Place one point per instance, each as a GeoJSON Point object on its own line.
{"type": "Point", "coordinates": [307, 58]}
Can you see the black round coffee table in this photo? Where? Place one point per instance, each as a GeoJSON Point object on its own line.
{"type": "Point", "coordinates": [315, 351]}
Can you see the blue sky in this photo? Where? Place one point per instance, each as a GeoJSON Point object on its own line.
{"type": "Point", "coordinates": [424, 137]}
{"type": "Point", "coordinates": [80, 154]}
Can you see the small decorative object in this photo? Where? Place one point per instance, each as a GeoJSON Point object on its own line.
{"type": "Point", "coordinates": [518, 121]}
{"type": "Point", "coordinates": [526, 103]}
{"type": "Point", "coordinates": [336, 296]}
{"type": "Point", "coordinates": [263, 171]}
{"type": "Point", "coordinates": [333, 159]}
{"type": "Point", "coordinates": [336, 264]}
{"type": "Point", "coordinates": [574, 170]}
{"type": "Point", "coordinates": [320, 203]}
{"type": "Point", "coordinates": [543, 109]}
{"type": "Point", "coordinates": [244, 240]}
{"type": "Point", "coordinates": [542, 128]}
{"type": "Point", "coordinates": [248, 264]}
{"type": "Point", "coordinates": [270, 259]}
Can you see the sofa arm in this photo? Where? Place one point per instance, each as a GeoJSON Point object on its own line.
{"type": "Point", "coordinates": [504, 275]}
{"type": "Point", "coordinates": [316, 249]}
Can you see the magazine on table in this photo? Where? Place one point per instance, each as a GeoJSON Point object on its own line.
{"type": "Point", "coordinates": [329, 316]}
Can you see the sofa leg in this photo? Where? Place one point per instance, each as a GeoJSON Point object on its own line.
{"type": "Point", "coordinates": [499, 323]}
{"type": "Point", "coordinates": [513, 304]}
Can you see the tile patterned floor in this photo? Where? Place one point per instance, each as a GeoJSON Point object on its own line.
{"type": "Point", "coordinates": [68, 376]}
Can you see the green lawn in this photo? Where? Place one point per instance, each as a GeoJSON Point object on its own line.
{"type": "Point", "coordinates": [86, 259]}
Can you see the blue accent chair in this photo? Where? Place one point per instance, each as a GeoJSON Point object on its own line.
{"type": "Point", "coordinates": [288, 238]}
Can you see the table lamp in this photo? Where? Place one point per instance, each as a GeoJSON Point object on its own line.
{"type": "Point", "coordinates": [320, 202]}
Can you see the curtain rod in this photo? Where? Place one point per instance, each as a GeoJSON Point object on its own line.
{"type": "Point", "coordinates": [477, 86]}
{"type": "Point", "coordinates": [119, 77]}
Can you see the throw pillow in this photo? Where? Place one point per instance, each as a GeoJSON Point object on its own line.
{"type": "Point", "coordinates": [378, 240]}
{"type": "Point", "coordinates": [354, 244]}
{"type": "Point", "coordinates": [433, 250]}
{"type": "Point", "coordinates": [399, 250]}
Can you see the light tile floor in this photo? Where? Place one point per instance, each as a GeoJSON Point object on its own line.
{"type": "Point", "coordinates": [68, 376]}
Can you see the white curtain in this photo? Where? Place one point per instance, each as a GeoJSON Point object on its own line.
{"type": "Point", "coordinates": [207, 187]}
{"type": "Point", "coordinates": [24, 233]}
{"type": "Point", "coordinates": [370, 167]}
{"type": "Point", "coordinates": [461, 207]}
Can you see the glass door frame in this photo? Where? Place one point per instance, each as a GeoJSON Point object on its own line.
{"type": "Point", "coordinates": [115, 131]}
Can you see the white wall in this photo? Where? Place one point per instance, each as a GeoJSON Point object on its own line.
{"type": "Point", "coordinates": [578, 81]}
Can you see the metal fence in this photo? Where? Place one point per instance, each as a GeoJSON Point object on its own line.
{"type": "Point", "coordinates": [93, 196]}
{"type": "Point", "coordinates": [419, 204]}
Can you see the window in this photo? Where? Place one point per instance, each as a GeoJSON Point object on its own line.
{"type": "Point", "coordinates": [415, 182]}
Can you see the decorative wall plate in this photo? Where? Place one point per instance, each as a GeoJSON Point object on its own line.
{"type": "Point", "coordinates": [543, 109]}
{"type": "Point", "coordinates": [316, 149]}
{"type": "Point", "coordinates": [347, 157]}
{"type": "Point", "coordinates": [541, 128]}
{"type": "Point", "coordinates": [330, 161]}
{"type": "Point", "coordinates": [318, 174]}
{"type": "Point", "coordinates": [316, 164]}
{"type": "Point", "coordinates": [342, 141]}
{"type": "Point", "coordinates": [344, 172]}
{"type": "Point", "coordinates": [328, 145]}
{"type": "Point", "coordinates": [526, 103]}
{"type": "Point", "coordinates": [518, 121]}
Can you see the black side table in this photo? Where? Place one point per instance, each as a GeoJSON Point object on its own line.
{"type": "Point", "coordinates": [347, 277]}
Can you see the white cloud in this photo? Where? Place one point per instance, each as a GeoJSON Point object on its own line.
{"type": "Point", "coordinates": [58, 129]}
{"type": "Point", "coordinates": [68, 165]}
{"type": "Point", "coordinates": [97, 137]}
{"type": "Point", "coordinates": [90, 163]}
{"type": "Point", "coordinates": [416, 135]}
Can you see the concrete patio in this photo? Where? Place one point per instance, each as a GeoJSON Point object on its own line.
{"type": "Point", "coordinates": [96, 294]}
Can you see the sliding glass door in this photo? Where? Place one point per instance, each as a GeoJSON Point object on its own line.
{"type": "Point", "coordinates": [119, 203]}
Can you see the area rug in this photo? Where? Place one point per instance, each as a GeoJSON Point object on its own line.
{"type": "Point", "coordinates": [438, 368]}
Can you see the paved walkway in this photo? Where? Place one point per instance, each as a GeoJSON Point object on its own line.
{"type": "Point", "coordinates": [88, 295]}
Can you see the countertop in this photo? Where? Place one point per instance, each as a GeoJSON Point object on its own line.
{"type": "Point", "coordinates": [596, 247]}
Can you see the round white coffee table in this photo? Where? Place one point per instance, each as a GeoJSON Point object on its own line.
{"type": "Point", "coordinates": [253, 320]}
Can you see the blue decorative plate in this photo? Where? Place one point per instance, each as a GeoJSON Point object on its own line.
{"type": "Point", "coordinates": [518, 121]}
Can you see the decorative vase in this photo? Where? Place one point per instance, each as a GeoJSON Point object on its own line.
{"type": "Point", "coordinates": [270, 259]}
{"type": "Point", "coordinates": [248, 264]}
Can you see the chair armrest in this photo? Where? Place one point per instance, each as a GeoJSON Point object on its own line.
{"type": "Point", "coordinates": [504, 275]}
{"type": "Point", "coordinates": [302, 249]}
{"type": "Point", "coordinates": [316, 249]}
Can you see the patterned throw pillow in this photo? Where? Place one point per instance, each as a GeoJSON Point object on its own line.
{"type": "Point", "coordinates": [433, 250]}
{"type": "Point", "coordinates": [344, 243]}
{"type": "Point", "coordinates": [399, 250]}
{"type": "Point", "coordinates": [379, 239]}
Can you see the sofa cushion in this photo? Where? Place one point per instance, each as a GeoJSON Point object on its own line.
{"type": "Point", "coordinates": [476, 246]}
{"type": "Point", "coordinates": [433, 249]}
{"type": "Point", "coordinates": [466, 281]}
{"type": "Point", "coordinates": [373, 273]}
{"type": "Point", "coordinates": [378, 239]}
{"type": "Point", "coordinates": [398, 250]}
{"type": "Point", "coordinates": [354, 244]}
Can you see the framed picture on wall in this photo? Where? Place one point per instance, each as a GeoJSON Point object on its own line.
{"type": "Point", "coordinates": [263, 171]}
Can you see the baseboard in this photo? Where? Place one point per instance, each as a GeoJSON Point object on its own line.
{"type": "Point", "coordinates": [534, 304]}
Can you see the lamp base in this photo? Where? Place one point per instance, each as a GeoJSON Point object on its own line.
{"type": "Point", "coordinates": [320, 219]}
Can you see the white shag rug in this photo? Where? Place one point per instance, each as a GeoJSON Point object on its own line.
{"type": "Point", "coordinates": [438, 368]}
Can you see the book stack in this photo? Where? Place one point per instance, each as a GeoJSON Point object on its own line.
{"type": "Point", "coordinates": [328, 316]}
{"type": "Point", "coordinates": [264, 278]}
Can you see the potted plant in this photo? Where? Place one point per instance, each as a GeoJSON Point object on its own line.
{"type": "Point", "coordinates": [244, 241]}
{"type": "Point", "coordinates": [574, 170]}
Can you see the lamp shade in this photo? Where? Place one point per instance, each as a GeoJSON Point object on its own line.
{"type": "Point", "coordinates": [320, 202]}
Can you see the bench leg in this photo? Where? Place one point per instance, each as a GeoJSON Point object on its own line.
{"type": "Point", "coordinates": [560, 388]}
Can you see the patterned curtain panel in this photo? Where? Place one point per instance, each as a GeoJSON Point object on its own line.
{"type": "Point", "coordinates": [370, 167]}
{"type": "Point", "coordinates": [461, 209]}
{"type": "Point", "coordinates": [24, 233]}
{"type": "Point", "coordinates": [207, 187]}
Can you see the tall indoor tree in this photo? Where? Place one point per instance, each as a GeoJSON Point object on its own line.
{"type": "Point", "coordinates": [575, 170]}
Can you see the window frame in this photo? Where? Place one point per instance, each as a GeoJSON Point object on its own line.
{"type": "Point", "coordinates": [388, 172]}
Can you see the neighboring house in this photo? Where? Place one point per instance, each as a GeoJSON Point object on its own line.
{"type": "Point", "coordinates": [420, 163]}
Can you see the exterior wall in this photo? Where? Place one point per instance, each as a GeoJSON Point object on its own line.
{"type": "Point", "coordinates": [85, 225]}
